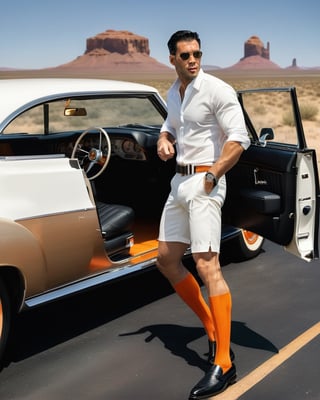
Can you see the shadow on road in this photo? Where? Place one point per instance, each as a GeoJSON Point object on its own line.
{"type": "Point", "coordinates": [176, 339]}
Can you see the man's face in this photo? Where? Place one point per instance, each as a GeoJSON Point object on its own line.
{"type": "Point", "coordinates": [187, 69]}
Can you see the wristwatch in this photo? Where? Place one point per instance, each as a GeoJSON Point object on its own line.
{"type": "Point", "coordinates": [210, 177]}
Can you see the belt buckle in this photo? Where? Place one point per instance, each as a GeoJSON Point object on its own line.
{"type": "Point", "coordinates": [187, 169]}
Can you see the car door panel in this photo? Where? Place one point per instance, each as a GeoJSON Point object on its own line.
{"type": "Point", "coordinates": [259, 196]}
{"type": "Point", "coordinates": [274, 188]}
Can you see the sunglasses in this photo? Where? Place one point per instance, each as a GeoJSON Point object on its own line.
{"type": "Point", "coordinates": [186, 56]}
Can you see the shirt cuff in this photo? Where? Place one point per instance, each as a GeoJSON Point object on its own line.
{"type": "Point", "coordinates": [240, 138]}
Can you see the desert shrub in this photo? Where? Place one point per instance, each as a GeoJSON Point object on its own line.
{"type": "Point", "coordinates": [308, 113]}
{"type": "Point", "coordinates": [260, 109]}
{"type": "Point", "coordinates": [287, 118]}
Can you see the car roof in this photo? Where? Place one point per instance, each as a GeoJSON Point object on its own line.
{"type": "Point", "coordinates": [20, 94]}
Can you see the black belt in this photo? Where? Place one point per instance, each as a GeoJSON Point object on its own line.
{"type": "Point", "coordinates": [190, 169]}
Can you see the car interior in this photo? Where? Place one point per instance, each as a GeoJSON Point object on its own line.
{"type": "Point", "coordinates": [131, 190]}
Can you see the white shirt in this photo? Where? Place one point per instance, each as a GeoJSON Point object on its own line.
{"type": "Point", "coordinates": [208, 116]}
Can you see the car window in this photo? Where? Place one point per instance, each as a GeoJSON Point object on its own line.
{"type": "Point", "coordinates": [51, 117]}
{"type": "Point", "coordinates": [272, 110]}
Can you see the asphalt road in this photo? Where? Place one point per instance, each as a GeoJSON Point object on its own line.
{"type": "Point", "coordinates": [135, 339]}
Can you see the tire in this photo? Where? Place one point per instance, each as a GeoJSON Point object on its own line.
{"type": "Point", "coordinates": [246, 245]}
{"type": "Point", "coordinates": [5, 319]}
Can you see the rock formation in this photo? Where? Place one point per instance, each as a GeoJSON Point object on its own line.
{"type": "Point", "coordinates": [254, 47]}
{"type": "Point", "coordinates": [256, 56]}
{"type": "Point", "coordinates": [122, 42]}
{"type": "Point", "coordinates": [294, 65]}
{"type": "Point", "coordinates": [117, 51]}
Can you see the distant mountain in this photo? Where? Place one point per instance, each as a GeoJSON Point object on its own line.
{"type": "Point", "coordinates": [7, 69]}
{"type": "Point", "coordinates": [303, 68]}
{"type": "Point", "coordinates": [123, 51]}
{"type": "Point", "coordinates": [256, 56]}
{"type": "Point", "coordinates": [117, 51]}
{"type": "Point", "coordinates": [210, 67]}
{"type": "Point", "coordinates": [254, 62]}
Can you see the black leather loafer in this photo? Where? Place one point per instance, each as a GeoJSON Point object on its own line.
{"type": "Point", "coordinates": [212, 352]}
{"type": "Point", "coordinates": [214, 382]}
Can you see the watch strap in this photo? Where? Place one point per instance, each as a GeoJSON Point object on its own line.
{"type": "Point", "coordinates": [210, 177]}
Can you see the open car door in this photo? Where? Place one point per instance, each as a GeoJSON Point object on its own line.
{"type": "Point", "coordinates": [274, 189]}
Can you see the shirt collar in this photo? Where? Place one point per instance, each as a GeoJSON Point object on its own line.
{"type": "Point", "coordinates": [195, 83]}
{"type": "Point", "coordinates": [198, 80]}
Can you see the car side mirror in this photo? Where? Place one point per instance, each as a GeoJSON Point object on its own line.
{"type": "Point", "coordinates": [266, 134]}
{"type": "Point", "coordinates": [75, 112]}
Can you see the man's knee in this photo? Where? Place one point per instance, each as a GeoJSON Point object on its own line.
{"type": "Point", "coordinates": [207, 264]}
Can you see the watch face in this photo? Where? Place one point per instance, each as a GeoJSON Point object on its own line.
{"type": "Point", "coordinates": [209, 177]}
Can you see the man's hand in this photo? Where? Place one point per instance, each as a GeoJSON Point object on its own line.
{"type": "Point", "coordinates": [165, 147]}
{"type": "Point", "coordinates": [208, 186]}
{"type": "Point", "coordinates": [230, 155]}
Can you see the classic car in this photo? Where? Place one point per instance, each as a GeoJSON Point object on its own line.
{"type": "Point", "coordinates": [82, 188]}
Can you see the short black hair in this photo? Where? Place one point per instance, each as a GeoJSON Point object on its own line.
{"type": "Point", "coordinates": [181, 36]}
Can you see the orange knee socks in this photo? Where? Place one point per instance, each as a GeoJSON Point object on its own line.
{"type": "Point", "coordinates": [189, 291]}
{"type": "Point", "coordinates": [221, 313]}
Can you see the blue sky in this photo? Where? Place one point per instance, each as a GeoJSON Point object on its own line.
{"type": "Point", "coordinates": [39, 33]}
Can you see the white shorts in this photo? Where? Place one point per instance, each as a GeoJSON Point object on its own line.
{"type": "Point", "coordinates": [191, 216]}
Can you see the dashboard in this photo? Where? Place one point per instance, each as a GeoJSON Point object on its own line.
{"type": "Point", "coordinates": [128, 149]}
{"type": "Point", "coordinates": [136, 142]}
{"type": "Point", "coordinates": [125, 147]}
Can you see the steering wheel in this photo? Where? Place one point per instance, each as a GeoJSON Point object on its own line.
{"type": "Point", "coordinates": [91, 157]}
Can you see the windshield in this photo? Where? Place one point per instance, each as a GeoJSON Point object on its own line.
{"type": "Point", "coordinates": [51, 117]}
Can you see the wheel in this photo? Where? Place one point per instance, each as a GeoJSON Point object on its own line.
{"type": "Point", "coordinates": [92, 158]}
{"type": "Point", "coordinates": [246, 245]}
{"type": "Point", "coordinates": [5, 317]}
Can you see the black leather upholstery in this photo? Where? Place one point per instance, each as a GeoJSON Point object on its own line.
{"type": "Point", "coordinates": [115, 219]}
{"type": "Point", "coordinates": [262, 201]}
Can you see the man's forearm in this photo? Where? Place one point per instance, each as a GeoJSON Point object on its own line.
{"type": "Point", "coordinates": [230, 155]}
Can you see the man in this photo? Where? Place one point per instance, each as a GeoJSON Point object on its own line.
{"type": "Point", "coordinates": [206, 127]}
